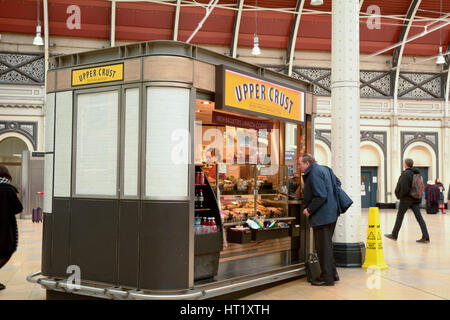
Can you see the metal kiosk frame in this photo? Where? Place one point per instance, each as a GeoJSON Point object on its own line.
{"type": "Point", "coordinates": [132, 244]}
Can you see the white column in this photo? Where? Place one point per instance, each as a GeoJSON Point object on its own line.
{"type": "Point", "coordinates": [445, 173]}
{"type": "Point", "coordinates": [345, 129]}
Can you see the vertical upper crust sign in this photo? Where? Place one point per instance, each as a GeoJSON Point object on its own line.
{"type": "Point", "coordinates": [98, 74]}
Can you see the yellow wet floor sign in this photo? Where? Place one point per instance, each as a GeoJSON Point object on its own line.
{"type": "Point", "coordinates": [374, 247]}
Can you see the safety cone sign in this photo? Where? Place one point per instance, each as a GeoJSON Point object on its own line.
{"type": "Point", "coordinates": [374, 247]}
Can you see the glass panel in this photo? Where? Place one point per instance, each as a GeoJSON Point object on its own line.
{"type": "Point", "coordinates": [49, 122]}
{"type": "Point", "coordinates": [237, 193]}
{"type": "Point", "coordinates": [48, 183]}
{"type": "Point", "coordinates": [48, 159]}
{"type": "Point", "coordinates": [167, 145]}
{"type": "Point", "coordinates": [237, 189]}
{"type": "Point", "coordinates": [97, 134]}
{"type": "Point", "coordinates": [291, 148]}
{"type": "Point", "coordinates": [63, 144]}
{"type": "Point", "coordinates": [131, 146]}
{"type": "Point", "coordinates": [272, 192]}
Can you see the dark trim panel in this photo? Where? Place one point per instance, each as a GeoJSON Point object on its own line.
{"type": "Point", "coordinates": [349, 254]}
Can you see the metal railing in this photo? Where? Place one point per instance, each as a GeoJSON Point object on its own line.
{"type": "Point", "coordinates": [114, 293]}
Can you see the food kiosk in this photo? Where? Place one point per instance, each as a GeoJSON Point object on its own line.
{"type": "Point", "coordinates": [171, 172]}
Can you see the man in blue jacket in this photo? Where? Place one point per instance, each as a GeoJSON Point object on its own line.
{"type": "Point", "coordinates": [321, 208]}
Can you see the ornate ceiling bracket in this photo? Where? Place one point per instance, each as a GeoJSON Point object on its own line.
{"type": "Point", "coordinates": [28, 129]}
{"type": "Point", "coordinates": [17, 68]}
{"type": "Point", "coordinates": [420, 85]}
{"type": "Point", "coordinates": [375, 83]}
{"type": "Point", "coordinates": [319, 77]}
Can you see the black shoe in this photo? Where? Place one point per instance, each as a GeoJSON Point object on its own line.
{"type": "Point", "coordinates": [322, 283]}
{"type": "Point", "coordinates": [2, 286]}
{"type": "Point", "coordinates": [391, 236]}
{"type": "Point", "coordinates": [335, 278]}
{"type": "Point", "coordinates": [423, 240]}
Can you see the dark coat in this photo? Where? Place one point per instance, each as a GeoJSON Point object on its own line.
{"type": "Point", "coordinates": [9, 207]}
{"type": "Point", "coordinates": [319, 196]}
{"type": "Point", "coordinates": [432, 194]}
{"type": "Point", "coordinates": [404, 185]}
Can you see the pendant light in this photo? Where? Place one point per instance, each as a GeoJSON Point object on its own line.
{"type": "Point", "coordinates": [38, 41]}
{"type": "Point", "coordinates": [316, 2]}
{"type": "Point", "coordinates": [440, 58]}
{"type": "Point", "coordinates": [256, 51]}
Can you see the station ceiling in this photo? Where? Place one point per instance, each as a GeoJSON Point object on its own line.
{"type": "Point", "coordinates": [155, 20]}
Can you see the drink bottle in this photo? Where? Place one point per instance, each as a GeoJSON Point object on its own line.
{"type": "Point", "coordinates": [196, 199]}
{"type": "Point", "coordinates": [204, 225]}
{"type": "Point", "coordinates": [200, 199]}
{"type": "Point", "coordinates": [197, 178]}
{"type": "Point", "coordinates": [213, 225]}
{"type": "Point", "coordinates": [198, 224]}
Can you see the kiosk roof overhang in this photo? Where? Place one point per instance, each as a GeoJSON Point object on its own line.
{"type": "Point", "coordinates": [168, 48]}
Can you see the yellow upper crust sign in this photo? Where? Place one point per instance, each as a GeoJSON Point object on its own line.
{"type": "Point", "coordinates": [255, 95]}
{"type": "Point", "coordinates": [99, 74]}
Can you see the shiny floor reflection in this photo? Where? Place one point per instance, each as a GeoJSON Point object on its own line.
{"type": "Point", "coordinates": [416, 271]}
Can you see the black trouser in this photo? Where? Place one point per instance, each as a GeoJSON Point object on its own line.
{"type": "Point", "coordinates": [323, 239]}
{"type": "Point", "coordinates": [403, 207]}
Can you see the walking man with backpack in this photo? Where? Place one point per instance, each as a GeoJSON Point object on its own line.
{"type": "Point", "coordinates": [409, 191]}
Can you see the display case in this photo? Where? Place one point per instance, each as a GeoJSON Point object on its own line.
{"type": "Point", "coordinates": [255, 192]}
{"type": "Point", "coordinates": [208, 241]}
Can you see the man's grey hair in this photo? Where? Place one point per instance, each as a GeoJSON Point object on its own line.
{"type": "Point", "coordinates": [307, 158]}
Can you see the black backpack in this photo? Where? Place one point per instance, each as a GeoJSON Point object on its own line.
{"type": "Point", "coordinates": [417, 187]}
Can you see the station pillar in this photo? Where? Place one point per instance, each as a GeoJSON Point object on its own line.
{"type": "Point", "coordinates": [345, 128]}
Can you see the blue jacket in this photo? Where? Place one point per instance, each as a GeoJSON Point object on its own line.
{"type": "Point", "coordinates": [319, 196]}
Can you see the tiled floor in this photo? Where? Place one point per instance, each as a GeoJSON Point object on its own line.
{"type": "Point", "coordinates": [25, 261]}
{"type": "Point", "coordinates": [416, 271]}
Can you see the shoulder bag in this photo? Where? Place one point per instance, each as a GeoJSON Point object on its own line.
{"type": "Point", "coordinates": [343, 200]}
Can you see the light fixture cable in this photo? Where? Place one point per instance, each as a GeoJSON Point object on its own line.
{"type": "Point", "coordinates": [440, 30]}
{"type": "Point", "coordinates": [256, 18]}
{"type": "Point", "coordinates": [256, 51]}
{"type": "Point", "coordinates": [440, 58]}
{"type": "Point", "coordinates": [38, 41]}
